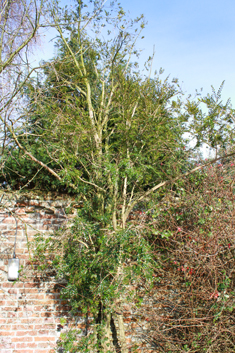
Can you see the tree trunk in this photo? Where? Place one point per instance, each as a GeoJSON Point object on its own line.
{"type": "Point", "coordinates": [121, 334]}
{"type": "Point", "coordinates": [107, 344]}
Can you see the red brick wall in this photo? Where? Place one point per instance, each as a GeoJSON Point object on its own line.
{"type": "Point", "coordinates": [31, 309]}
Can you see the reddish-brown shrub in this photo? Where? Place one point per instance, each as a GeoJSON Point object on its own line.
{"type": "Point", "coordinates": [193, 305]}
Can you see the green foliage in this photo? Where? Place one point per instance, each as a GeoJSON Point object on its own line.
{"type": "Point", "coordinates": [20, 172]}
{"type": "Point", "coordinates": [136, 123]}
{"type": "Point", "coordinates": [96, 264]}
{"type": "Point", "coordinates": [72, 342]}
{"type": "Point", "coordinates": [97, 268]}
{"type": "Point", "coordinates": [212, 121]}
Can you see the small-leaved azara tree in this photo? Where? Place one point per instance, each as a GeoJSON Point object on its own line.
{"type": "Point", "coordinates": [113, 136]}
{"type": "Point", "coordinates": [110, 135]}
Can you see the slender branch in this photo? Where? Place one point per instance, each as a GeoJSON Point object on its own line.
{"type": "Point", "coordinates": [19, 88]}
{"type": "Point", "coordinates": [23, 45]}
{"type": "Point", "coordinates": [124, 202]}
{"type": "Point", "coordinates": [158, 186]}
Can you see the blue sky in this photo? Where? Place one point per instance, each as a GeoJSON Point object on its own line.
{"type": "Point", "coordinates": [194, 41]}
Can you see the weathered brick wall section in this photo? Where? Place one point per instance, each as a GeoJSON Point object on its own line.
{"type": "Point", "coordinates": [31, 309]}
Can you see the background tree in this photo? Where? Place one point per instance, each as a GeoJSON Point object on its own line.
{"type": "Point", "coordinates": [212, 122]}
{"type": "Point", "coordinates": [20, 22]}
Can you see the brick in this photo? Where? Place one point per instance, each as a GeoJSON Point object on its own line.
{"type": "Point", "coordinates": [22, 339]}
{"type": "Point", "coordinates": [44, 345]}
{"type": "Point", "coordinates": [12, 291]}
{"type": "Point", "coordinates": [3, 227]}
{"type": "Point", "coordinates": [21, 251]}
{"type": "Point", "coordinates": [29, 209]}
{"type": "Point", "coordinates": [44, 326]}
{"type": "Point", "coordinates": [4, 296]}
{"type": "Point", "coordinates": [30, 320]}
{"type": "Point", "coordinates": [26, 333]}
{"type": "Point", "coordinates": [23, 327]}
{"type": "Point", "coordinates": [43, 332]}
{"type": "Point", "coordinates": [10, 236]}
{"type": "Point", "coordinates": [48, 216]}
{"type": "Point", "coordinates": [35, 296]}
{"type": "Point", "coordinates": [9, 220]}
{"type": "Point", "coordinates": [34, 203]}
{"type": "Point", "coordinates": [11, 314]}
{"type": "Point", "coordinates": [53, 296]}
{"type": "Point", "coordinates": [41, 308]}
{"type": "Point", "coordinates": [23, 351]}
{"type": "Point", "coordinates": [45, 339]}
{"type": "Point", "coordinates": [10, 321]}
{"type": "Point", "coordinates": [30, 290]}
{"type": "Point", "coordinates": [51, 301]}
{"type": "Point", "coordinates": [10, 303]}
{"type": "Point", "coordinates": [3, 321]}
{"type": "Point", "coordinates": [48, 320]}
{"type": "Point", "coordinates": [26, 345]}
{"type": "Point", "coordinates": [24, 257]}
{"type": "Point", "coordinates": [20, 210]}
{"type": "Point", "coordinates": [7, 333]}
{"type": "Point", "coordinates": [30, 285]}
{"type": "Point", "coordinates": [22, 203]}
{"type": "Point", "coordinates": [12, 285]}
{"type": "Point", "coordinates": [31, 232]}
{"type": "Point", "coordinates": [9, 308]}
{"type": "Point", "coordinates": [27, 220]}
{"type": "Point", "coordinates": [5, 327]}
{"type": "Point", "coordinates": [6, 346]}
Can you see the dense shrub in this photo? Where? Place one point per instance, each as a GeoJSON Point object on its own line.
{"type": "Point", "coordinates": [194, 240]}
